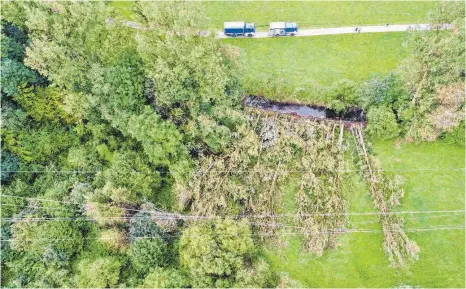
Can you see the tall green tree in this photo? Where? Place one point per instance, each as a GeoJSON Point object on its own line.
{"type": "Point", "coordinates": [194, 77]}
{"type": "Point", "coordinates": [437, 60]}
{"type": "Point", "coordinates": [215, 253]}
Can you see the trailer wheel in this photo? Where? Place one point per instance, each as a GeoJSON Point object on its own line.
{"type": "Point", "coordinates": [292, 34]}
{"type": "Point", "coordinates": [249, 35]}
{"type": "Point", "coordinates": [276, 35]}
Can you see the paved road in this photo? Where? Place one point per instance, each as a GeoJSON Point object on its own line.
{"type": "Point", "coordinates": [349, 30]}
{"type": "Point", "coordinates": [321, 31]}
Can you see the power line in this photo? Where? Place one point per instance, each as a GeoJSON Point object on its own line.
{"type": "Point", "coordinates": [248, 171]}
{"type": "Point", "coordinates": [342, 231]}
{"type": "Point", "coordinates": [177, 216]}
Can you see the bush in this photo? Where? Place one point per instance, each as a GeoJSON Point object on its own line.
{"type": "Point", "coordinates": [341, 94]}
{"type": "Point", "coordinates": [457, 136]}
{"type": "Point", "coordinates": [382, 123]}
{"type": "Point", "coordinates": [378, 91]}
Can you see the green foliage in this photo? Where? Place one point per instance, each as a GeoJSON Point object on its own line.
{"type": "Point", "coordinates": [341, 94]}
{"type": "Point", "coordinates": [457, 136]}
{"type": "Point", "coordinates": [129, 179]}
{"type": "Point", "coordinates": [193, 76]}
{"type": "Point", "coordinates": [436, 61]}
{"type": "Point", "coordinates": [11, 49]}
{"type": "Point", "coordinates": [160, 139]}
{"type": "Point", "coordinates": [33, 237]}
{"type": "Point", "coordinates": [378, 91]}
{"type": "Point", "coordinates": [65, 60]}
{"type": "Point", "coordinates": [98, 273]}
{"type": "Point", "coordinates": [382, 123]}
{"type": "Point", "coordinates": [8, 166]}
{"type": "Point", "coordinates": [214, 252]}
{"type": "Point", "coordinates": [165, 278]}
{"type": "Point", "coordinates": [14, 74]}
{"type": "Point", "coordinates": [148, 253]}
{"type": "Point", "coordinates": [257, 275]}
{"type": "Point", "coordinates": [119, 88]}
{"type": "Point", "coordinates": [141, 225]}
{"type": "Point", "coordinates": [43, 104]}
{"type": "Point", "coordinates": [39, 145]}
{"type": "Point", "coordinates": [29, 271]}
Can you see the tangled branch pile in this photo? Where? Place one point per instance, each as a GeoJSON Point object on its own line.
{"type": "Point", "coordinates": [386, 191]}
{"type": "Point", "coordinates": [248, 179]}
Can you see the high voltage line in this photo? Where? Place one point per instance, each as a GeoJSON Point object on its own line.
{"type": "Point", "coordinates": [183, 216]}
{"type": "Point", "coordinates": [342, 231]}
{"type": "Point", "coordinates": [247, 171]}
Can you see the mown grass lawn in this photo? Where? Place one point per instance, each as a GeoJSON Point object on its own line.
{"type": "Point", "coordinates": [360, 261]}
{"type": "Point", "coordinates": [310, 14]}
{"type": "Point", "coordinates": [308, 62]}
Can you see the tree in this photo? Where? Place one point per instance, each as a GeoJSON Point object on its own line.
{"type": "Point", "coordinates": [193, 76]}
{"type": "Point", "coordinates": [165, 278]}
{"type": "Point", "coordinates": [102, 272]}
{"type": "Point", "coordinates": [141, 225]}
{"type": "Point", "coordinates": [437, 60]}
{"type": "Point", "coordinates": [258, 275]}
{"type": "Point", "coordinates": [160, 139]}
{"type": "Point", "coordinates": [64, 60]}
{"type": "Point", "coordinates": [148, 253]}
{"type": "Point", "coordinates": [129, 179]}
{"type": "Point", "coordinates": [381, 123]}
{"type": "Point", "coordinates": [14, 74]}
{"type": "Point", "coordinates": [9, 165]}
{"type": "Point", "coordinates": [43, 104]}
{"type": "Point", "coordinates": [214, 252]}
{"type": "Point", "coordinates": [377, 91]}
{"type": "Point", "coordinates": [63, 237]}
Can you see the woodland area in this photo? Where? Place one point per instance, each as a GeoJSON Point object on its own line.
{"type": "Point", "coordinates": [128, 160]}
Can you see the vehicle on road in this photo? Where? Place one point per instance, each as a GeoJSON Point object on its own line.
{"type": "Point", "coordinates": [283, 29]}
{"type": "Point", "coordinates": [235, 29]}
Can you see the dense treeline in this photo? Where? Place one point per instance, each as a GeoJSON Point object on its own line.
{"type": "Point", "coordinates": [106, 128]}
{"type": "Point", "coordinates": [99, 122]}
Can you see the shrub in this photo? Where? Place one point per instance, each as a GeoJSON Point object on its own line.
{"type": "Point", "coordinates": [382, 123]}
{"type": "Point", "coordinates": [457, 136]}
{"type": "Point", "coordinates": [378, 91]}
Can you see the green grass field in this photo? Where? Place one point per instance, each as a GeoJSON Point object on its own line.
{"type": "Point", "coordinates": [309, 62]}
{"type": "Point", "coordinates": [307, 13]}
{"type": "Point", "coordinates": [317, 13]}
{"type": "Point", "coordinates": [360, 261]}
{"type": "Point", "coordinates": [300, 65]}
